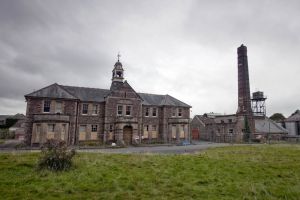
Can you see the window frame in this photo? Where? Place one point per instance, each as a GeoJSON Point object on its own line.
{"type": "Point", "coordinates": [179, 112]}
{"type": "Point", "coordinates": [130, 110]}
{"type": "Point", "coordinates": [121, 110]}
{"type": "Point", "coordinates": [87, 109]}
{"type": "Point", "coordinates": [173, 112]}
{"type": "Point", "coordinates": [44, 106]}
{"type": "Point", "coordinates": [94, 128]}
{"type": "Point", "coordinates": [154, 112]}
{"type": "Point", "coordinates": [95, 111]}
{"type": "Point", "coordinates": [147, 111]}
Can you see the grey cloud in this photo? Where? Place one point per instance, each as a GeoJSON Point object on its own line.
{"type": "Point", "coordinates": [184, 48]}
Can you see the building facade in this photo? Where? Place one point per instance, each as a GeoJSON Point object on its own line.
{"type": "Point", "coordinates": [119, 115]}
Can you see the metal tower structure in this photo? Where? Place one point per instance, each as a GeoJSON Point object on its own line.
{"type": "Point", "coordinates": [258, 104]}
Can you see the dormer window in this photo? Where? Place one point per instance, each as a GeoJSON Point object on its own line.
{"type": "Point", "coordinates": [47, 104]}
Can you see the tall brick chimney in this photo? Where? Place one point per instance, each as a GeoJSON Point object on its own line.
{"type": "Point", "coordinates": [244, 98]}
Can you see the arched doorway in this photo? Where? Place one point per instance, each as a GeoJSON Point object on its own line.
{"type": "Point", "coordinates": [127, 135]}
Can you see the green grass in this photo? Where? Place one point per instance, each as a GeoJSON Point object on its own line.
{"type": "Point", "coordinates": [236, 172]}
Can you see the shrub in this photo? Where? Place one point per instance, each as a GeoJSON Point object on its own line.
{"type": "Point", "coordinates": [55, 156]}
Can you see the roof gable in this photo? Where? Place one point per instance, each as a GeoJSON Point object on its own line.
{"type": "Point", "coordinates": [52, 91]}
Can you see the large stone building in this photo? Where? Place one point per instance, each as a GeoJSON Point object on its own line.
{"type": "Point", "coordinates": [119, 114]}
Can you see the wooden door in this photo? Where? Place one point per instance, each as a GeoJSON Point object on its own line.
{"type": "Point", "coordinates": [127, 135]}
{"type": "Point", "coordinates": [195, 134]}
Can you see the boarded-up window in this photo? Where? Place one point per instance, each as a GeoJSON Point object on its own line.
{"type": "Point", "coordinates": [93, 135]}
{"type": "Point", "coordinates": [174, 131]}
{"type": "Point", "coordinates": [181, 131]}
{"type": "Point", "coordinates": [82, 132]}
{"type": "Point", "coordinates": [50, 131]}
{"type": "Point", "coordinates": [145, 132]}
{"type": "Point", "coordinates": [51, 127]}
{"type": "Point", "coordinates": [63, 131]}
{"type": "Point", "coordinates": [110, 136]}
{"type": "Point", "coordinates": [38, 133]}
{"type": "Point", "coordinates": [154, 131]}
{"type": "Point", "coordinates": [58, 107]}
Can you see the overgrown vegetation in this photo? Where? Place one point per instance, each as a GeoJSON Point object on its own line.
{"type": "Point", "coordinates": [5, 134]}
{"type": "Point", "coordinates": [236, 172]}
{"type": "Point", "coordinates": [55, 156]}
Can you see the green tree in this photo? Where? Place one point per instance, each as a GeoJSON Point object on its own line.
{"type": "Point", "coordinates": [277, 117]}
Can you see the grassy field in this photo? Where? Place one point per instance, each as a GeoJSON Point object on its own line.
{"type": "Point", "coordinates": [236, 172]}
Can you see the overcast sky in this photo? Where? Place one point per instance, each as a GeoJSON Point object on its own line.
{"type": "Point", "coordinates": [185, 48]}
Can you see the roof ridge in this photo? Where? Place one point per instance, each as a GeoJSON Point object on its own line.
{"type": "Point", "coordinates": [84, 87]}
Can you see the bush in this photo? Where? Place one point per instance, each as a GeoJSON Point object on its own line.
{"type": "Point", "coordinates": [55, 156]}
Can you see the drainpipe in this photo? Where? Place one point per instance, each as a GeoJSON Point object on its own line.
{"type": "Point", "coordinates": [76, 123]}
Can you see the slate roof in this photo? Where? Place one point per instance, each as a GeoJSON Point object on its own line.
{"type": "Point", "coordinates": [98, 95]}
{"type": "Point", "coordinates": [87, 94]}
{"type": "Point", "coordinates": [266, 125]}
{"type": "Point", "coordinates": [294, 117]}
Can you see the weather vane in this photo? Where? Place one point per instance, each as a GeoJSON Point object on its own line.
{"type": "Point", "coordinates": [119, 56]}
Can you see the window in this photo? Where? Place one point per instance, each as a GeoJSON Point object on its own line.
{"type": "Point", "coordinates": [82, 132]}
{"type": "Point", "coordinates": [128, 110]}
{"type": "Point", "coordinates": [95, 109]}
{"type": "Point", "coordinates": [147, 112]}
{"type": "Point", "coordinates": [179, 112]}
{"type": "Point", "coordinates": [63, 131]}
{"type": "Point", "coordinates": [181, 131]}
{"type": "Point", "coordinates": [111, 128]}
{"type": "Point", "coordinates": [154, 112]}
{"type": "Point", "coordinates": [145, 132]}
{"type": "Point", "coordinates": [82, 128]}
{"type": "Point", "coordinates": [154, 132]}
{"type": "Point", "coordinates": [120, 110]}
{"type": "Point", "coordinates": [38, 133]}
{"type": "Point", "coordinates": [230, 130]}
{"type": "Point", "coordinates": [58, 107]}
{"type": "Point", "coordinates": [47, 106]}
{"type": "Point", "coordinates": [153, 127]}
{"type": "Point", "coordinates": [173, 112]}
{"type": "Point", "coordinates": [85, 108]}
{"type": "Point", "coordinates": [94, 128]}
{"type": "Point", "coordinates": [230, 120]}
{"type": "Point", "coordinates": [51, 127]}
